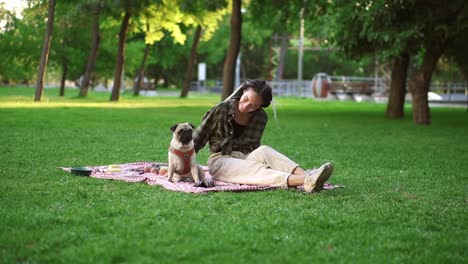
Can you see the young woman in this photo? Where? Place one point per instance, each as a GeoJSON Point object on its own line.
{"type": "Point", "coordinates": [234, 128]}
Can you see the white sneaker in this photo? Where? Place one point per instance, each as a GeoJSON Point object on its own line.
{"type": "Point", "coordinates": [316, 178]}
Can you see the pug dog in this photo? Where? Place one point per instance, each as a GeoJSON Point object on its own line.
{"type": "Point", "coordinates": [182, 158]}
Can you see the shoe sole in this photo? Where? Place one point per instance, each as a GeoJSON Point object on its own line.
{"type": "Point", "coordinates": [327, 171]}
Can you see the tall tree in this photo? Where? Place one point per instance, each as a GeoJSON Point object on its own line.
{"type": "Point", "coordinates": [64, 70]}
{"type": "Point", "coordinates": [67, 42]}
{"type": "Point", "coordinates": [45, 51]}
{"type": "Point", "coordinates": [206, 15]}
{"type": "Point", "coordinates": [68, 46]}
{"type": "Point", "coordinates": [364, 29]}
{"type": "Point", "coordinates": [141, 70]}
{"type": "Point", "coordinates": [191, 62]}
{"type": "Point", "coordinates": [420, 81]}
{"type": "Point", "coordinates": [130, 8]}
{"type": "Point", "coordinates": [440, 24]}
{"type": "Point", "coordinates": [396, 98]}
{"type": "Point", "coordinates": [233, 51]}
{"type": "Point", "coordinates": [120, 59]}
{"type": "Point", "coordinates": [282, 57]}
{"type": "Point", "coordinates": [176, 18]}
{"type": "Point", "coordinates": [392, 28]}
{"type": "Point", "coordinates": [283, 18]}
{"type": "Point", "coordinates": [95, 8]}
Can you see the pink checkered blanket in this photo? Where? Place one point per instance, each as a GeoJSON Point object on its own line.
{"type": "Point", "coordinates": [133, 172]}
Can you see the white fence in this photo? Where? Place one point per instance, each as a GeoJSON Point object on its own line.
{"type": "Point", "coordinates": [451, 91]}
{"type": "Point", "coordinates": [350, 87]}
{"type": "Point", "coordinates": [292, 88]}
{"type": "Point", "coordinates": [378, 87]}
{"type": "Point", "coordinates": [340, 84]}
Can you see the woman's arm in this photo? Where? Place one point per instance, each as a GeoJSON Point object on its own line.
{"type": "Point", "coordinates": [203, 131]}
{"type": "Point", "coordinates": [259, 127]}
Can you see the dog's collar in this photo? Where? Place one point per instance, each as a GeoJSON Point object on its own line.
{"type": "Point", "coordinates": [185, 156]}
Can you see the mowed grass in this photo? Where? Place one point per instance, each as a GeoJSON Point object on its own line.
{"type": "Point", "coordinates": [405, 198]}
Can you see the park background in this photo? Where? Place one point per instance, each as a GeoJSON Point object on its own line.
{"type": "Point", "coordinates": [411, 45]}
{"type": "Point", "coordinates": [405, 196]}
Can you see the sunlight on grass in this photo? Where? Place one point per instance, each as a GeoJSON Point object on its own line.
{"type": "Point", "coordinates": [120, 104]}
{"type": "Point", "coordinates": [23, 98]}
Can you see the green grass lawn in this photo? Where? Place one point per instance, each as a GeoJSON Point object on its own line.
{"type": "Point", "coordinates": [405, 198]}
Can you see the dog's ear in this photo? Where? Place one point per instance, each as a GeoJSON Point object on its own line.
{"type": "Point", "coordinates": [190, 124]}
{"type": "Point", "coordinates": [174, 127]}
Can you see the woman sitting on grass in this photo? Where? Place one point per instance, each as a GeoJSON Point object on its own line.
{"type": "Point", "coordinates": [234, 129]}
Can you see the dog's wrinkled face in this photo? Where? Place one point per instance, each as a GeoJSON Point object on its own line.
{"type": "Point", "coordinates": [183, 132]}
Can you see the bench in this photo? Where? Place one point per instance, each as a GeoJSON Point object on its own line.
{"type": "Point", "coordinates": [351, 88]}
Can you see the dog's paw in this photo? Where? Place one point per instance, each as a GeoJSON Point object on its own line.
{"type": "Point", "coordinates": [208, 183]}
{"type": "Point", "coordinates": [198, 184]}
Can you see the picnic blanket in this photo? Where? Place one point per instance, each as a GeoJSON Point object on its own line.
{"type": "Point", "coordinates": [133, 172]}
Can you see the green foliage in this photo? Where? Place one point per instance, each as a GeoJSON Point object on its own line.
{"type": "Point", "coordinates": [255, 48]}
{"type": "Point", "coordinates": [404, 201]}
{"type": "Point", "coordinates": [134, 52]}
{"type": "Point", "coordinates": [20, 45]}
{"type": "Point", "coordinates": [456, 52]}
{"type": "Point", "coordinates": [207, 13]}
{"type": "Point", "coordinates": [71, 41]}
{"type": "Point", "coordinates": [167, 17]}
{"type": "Point", "coordinates": [363, 27]}
{"type": "Point", "coordinates": [360, 29]}
{"type": "Point", "coordinates": [170, 57]}
{"type": "Point", "coordinates": [393, 27]}
{"type": "Point", "coordinates": [283, 16]}
{"type": "Point", "coordinates": [105, 62]}
{"type": "Point", "coordinates": [213, 52]}
{"type": "Point", "coordinates": [332, 63]}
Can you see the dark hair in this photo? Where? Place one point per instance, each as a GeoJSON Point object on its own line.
{"type": "Point", "coordinates": [261, 88]}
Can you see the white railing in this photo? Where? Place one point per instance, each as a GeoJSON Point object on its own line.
{"type": "Point", "coordinates": [450, 91]}
{"type": "Point", "coordinates": [378, 87]}
{"type": "Point", "coordinates": [304, 88]}
{"type": "Point", "coordinates": [207, 86]}
{"type": "Point", "coordinates": [291, 88]}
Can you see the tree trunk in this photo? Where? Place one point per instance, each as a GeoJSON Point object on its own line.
{"type": "Point", "coordinates": [45, 51]}
{"type": "Point", "coordinates": [234, 46]}
{"type": "Point", "coordinates": [396, 100]}
{"type": "Point", "coordinates": [120, 58]}
{"type": "Point", "coordinates": [64, 70]}
{"type": "Point", "coordinates": [282, 56]}
{"type": "Point", "coordinates": [64, 76]}
{"type": "Point", "coordinates": [191, 62]}
{"type": "Point", "coordinates": [141, 72]}
{"type": "Point", "coordinates": [420, 81]}
{"type": "Point", "coordinates": [95, 39]}
{"type": "Point", "coordinates": [165, 80]}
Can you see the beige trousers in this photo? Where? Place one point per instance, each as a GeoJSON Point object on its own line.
{"type": "Point", "coordinates": [263, 166]}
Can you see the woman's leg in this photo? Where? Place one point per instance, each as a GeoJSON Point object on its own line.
{"type": "Point", "coordinates": [313, 180]}
{"type": "Point", "coordinates": [238, 170]}
{"type": "Point", "coordinates": [274, 160]}
{"type": "Point", "coordinates": [296, 180]}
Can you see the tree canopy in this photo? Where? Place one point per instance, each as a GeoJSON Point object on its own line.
{"type": "Point", "coordinates": [162, 35]}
